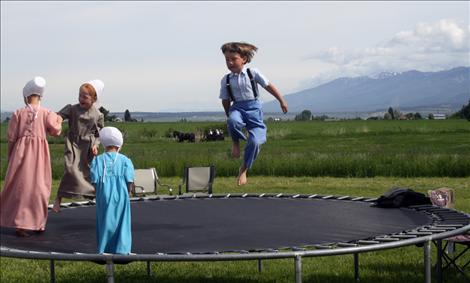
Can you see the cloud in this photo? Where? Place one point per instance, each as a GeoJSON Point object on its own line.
{"type": "Point", "coordinates": [428, 47]}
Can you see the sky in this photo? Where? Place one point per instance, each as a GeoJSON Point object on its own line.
{"type": "Point", "coordinates": [165, 56]}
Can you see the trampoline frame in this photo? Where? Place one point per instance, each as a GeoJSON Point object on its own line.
{"type": "Point", "coordinates": [421, 235]}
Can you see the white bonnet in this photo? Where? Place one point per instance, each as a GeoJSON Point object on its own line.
{"type": "Point", "coordinates": [98, 85]}
{"type": "Point", "coordinates": [111, 136]}
{"type": "Point", "coordinates": [34, 86]}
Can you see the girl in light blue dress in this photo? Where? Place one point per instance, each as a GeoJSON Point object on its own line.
{"type": "Point", "coordinates": [112, 175]}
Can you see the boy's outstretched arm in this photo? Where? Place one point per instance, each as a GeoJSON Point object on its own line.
{"type": "Point", "coordinates": [275, 92]}
{"type": "Point", "coordinates": [226, 105]}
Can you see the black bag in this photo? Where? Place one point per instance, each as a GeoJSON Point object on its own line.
{"type": "Point", "coordinates": [401, 197]}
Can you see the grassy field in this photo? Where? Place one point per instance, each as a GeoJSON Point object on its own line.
{"type": "Point", "coordinates": [357, 158]}
{"type": "Point", "coordinates": [421, 148]}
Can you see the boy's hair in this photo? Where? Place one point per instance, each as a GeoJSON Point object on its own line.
{"type": "Point", "coordinates": [246, 50]}
{"type": "Point", "coordinates": [91, 90]}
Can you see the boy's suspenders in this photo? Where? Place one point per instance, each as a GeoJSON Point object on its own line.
{"type": "Point", "coordinates": [252, 81]}
{"type": "Point", "coordinates": [229, 89]}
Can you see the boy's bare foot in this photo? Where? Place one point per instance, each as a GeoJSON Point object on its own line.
{"type": "Point", "coordinates": [56, 206]}
{"type": "Point", "coordinates": [242, 180]}
{"type": "Point", "coordinates": [22, 233]}
{"type": "Point", "coordinates": [236, 150]}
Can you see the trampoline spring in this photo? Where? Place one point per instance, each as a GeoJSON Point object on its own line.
{"type": "Point", "coordinates": [262, 195]}
{"type": "Point", "coordinates": [420, 233]}
{"type": "Point", "coordinates": [347, 245]}
{"type": "Point", "coordinates": [429, 231]}
{"type": "Point", "coordinates": [452, 226]}
{"type": "Point", "coordinates": [344, 197]}
{"type": "Point", "coordinates": [296, 196]}
{"type": "Point", "coordinates": [271, 250]}
{"type": "Point", "coordinates": [386, 239]}
{"type": "Point", "coordinates": [438, 230]}
{"type": "Point", "coordinates": [370, 200]}
{"type": "Point", "coordinates": [358, 198]}
{"type": "Point", "coordinates": [279, 195]}
{"type": "Point", "coordinates": [313, 196]}
{"type": "Point", "coordinates": [296, 249]}
{"type": "Point", "coordinates": [322, 247]}
{"type": "Point", "coordinates": [367, 242]}
{"type": "Point", "coordinates": [445, 229]}
{"type": "Point", "coordinates": [405, 236]}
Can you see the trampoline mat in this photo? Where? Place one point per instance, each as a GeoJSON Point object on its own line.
{"type": "Point", "coordinates": [207, 225]}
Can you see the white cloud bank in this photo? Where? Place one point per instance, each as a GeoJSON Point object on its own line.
{"type": "Point", "coordinates": [428, 47]}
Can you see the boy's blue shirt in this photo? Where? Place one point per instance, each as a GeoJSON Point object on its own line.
{"type": "Point", "coordinates": [241, 86]}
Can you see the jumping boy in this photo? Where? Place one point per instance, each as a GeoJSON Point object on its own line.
{"type": "Point", "coordinates": [239, 94]}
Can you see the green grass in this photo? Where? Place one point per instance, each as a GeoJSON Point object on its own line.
{"type": "Point", "coordinates": [421, 148]}
{"type": "Point", "coordinates": [400, 265]}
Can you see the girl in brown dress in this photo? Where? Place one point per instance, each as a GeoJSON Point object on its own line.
{"type": "Point", "coordinates": [81, 144]}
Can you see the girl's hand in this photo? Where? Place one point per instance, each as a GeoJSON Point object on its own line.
{"type": "Point", "coordinates": [94, 150]}
{"type": "Point", "coordinates": [284, 107]}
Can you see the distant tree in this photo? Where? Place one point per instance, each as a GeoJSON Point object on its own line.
{"type": "Point", "coordinates": [321, 117]}
{"type": "Point", "coordinates": [392, 113]}
{"type": "Point", "coordinates": [463, 113]}
{"type": "Point", "coordinates": [107, 117]}
{"type": "Point", "coordinates": [127, 116]}
{"type": "Point", "coordinates": [431, 116]}
{"type": "Point", "coordinates": [7, 119]}
{"type": "Point", "coordinates": [387, 116]}
{"type": "Point", "coordinates": [466, 111]}
{"type": "Point", "coordinates": [305, 115]}
{"type": "Point", "coordinates": [417, 116]}
{"type": "Point", "coordinates": [409, 116]}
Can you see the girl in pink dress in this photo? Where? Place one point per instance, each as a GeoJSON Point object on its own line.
{"type": "Point", "coordinates": [27, 188]}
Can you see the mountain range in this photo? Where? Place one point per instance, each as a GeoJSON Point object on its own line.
{"type": "Point", "coordinates": [407, 90]}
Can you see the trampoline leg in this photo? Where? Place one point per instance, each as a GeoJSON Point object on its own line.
{"type": "Point", "coordinates": [439, 261]}
{"type": "Point", "coordinates": [427, 262]}
{"type": "Point", "coordinates": [260, 266]}
{"type": "Point", "coordinates": [52, 265]}
{"type": "Point", "coordinates": [149, 268]}
{"type": "Point", "coordinates": [356, 267]}
{"type": "Point", "coordinates": [110, 271]}
{"type": "Point", "coordinates": [298, 269]}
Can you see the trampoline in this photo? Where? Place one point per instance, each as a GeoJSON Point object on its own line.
{"type": "Point", "coordinates": [240, 227]}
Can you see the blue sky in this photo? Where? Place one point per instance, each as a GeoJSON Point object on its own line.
{"type": "Point", "coordinates": [165, 56]}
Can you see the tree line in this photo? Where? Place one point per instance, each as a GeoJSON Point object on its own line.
{"type": "Point", "coordinates": [391, 114]}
